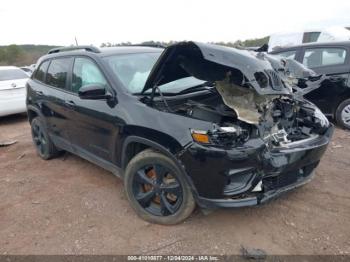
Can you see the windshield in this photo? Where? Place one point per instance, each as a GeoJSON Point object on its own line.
{"type": "Point", "coordinates": [134, 69]}
{"type": "Point", "coordinates": [12, 74]}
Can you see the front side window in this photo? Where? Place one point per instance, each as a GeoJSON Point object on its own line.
{"type": "Point", "coordinates": [133, 69]}
{"type": "Point", "coordinates": [12, 74]}
{"type": "Point", "coordinates": [40, 73]}
{"type": "Point", "coordinates": [288, 54]}
{"type": "Point", "coordinates": [316, 57]}
{"type": "Point", "coordinates": [86, 72]}
{"type": "Point", "coordinates": [57, 72]}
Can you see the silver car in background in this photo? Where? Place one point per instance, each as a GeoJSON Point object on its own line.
{"type": "Point", "coordinates": [12, 90]}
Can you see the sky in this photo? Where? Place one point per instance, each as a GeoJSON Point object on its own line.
{"type": "Point", "coordinates": [94, 22]}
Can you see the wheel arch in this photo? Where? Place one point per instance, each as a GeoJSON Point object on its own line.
{"type": "Point", "coordinates": [33, 112]}
{"type": "Point", "coordinates": [144, 143]}
{"type": "Point", "coordinates": [345, 96]}
{"type": "Point", "coordinates": [338, 114]}
{"type": "Point", "coordinates": [140, 143]}
{"type": "Point", "coordinates": [146, 137]}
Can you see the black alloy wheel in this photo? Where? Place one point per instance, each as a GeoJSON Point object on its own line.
{"type": "Point", "coordinates": [39, 139]}
{"type": "Point", "coordinates": [157, 191]}
{"type": "Point", "coordinates": [42, 142]}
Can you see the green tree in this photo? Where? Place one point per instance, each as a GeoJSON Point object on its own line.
{"type": "Point", "coordinates": [9, 54]}
{"type": "Point", "coordinates": [13, 53]}
{"type": "Point", "coordinates": [2, 54]}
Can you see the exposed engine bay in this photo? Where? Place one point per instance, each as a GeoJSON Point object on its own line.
{"type": "Point", "coordinates": [252, 95]}
{"type": "Point", "coordinates": [281, 120]}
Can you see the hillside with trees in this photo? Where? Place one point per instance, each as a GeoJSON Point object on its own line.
{"type": "Point", "coordinates": [21, 55]}
{"type": "Point", "coordinates": [257, 42]}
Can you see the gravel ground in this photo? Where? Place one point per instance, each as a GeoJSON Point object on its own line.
{"type": "Point", "coordinates": [70, 206]}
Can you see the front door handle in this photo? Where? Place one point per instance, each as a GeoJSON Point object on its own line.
{"type": "Point", "coordinates": [70, 104]}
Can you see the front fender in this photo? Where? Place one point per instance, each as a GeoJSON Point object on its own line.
{"type": "Point", "coordinates": [171, 152]}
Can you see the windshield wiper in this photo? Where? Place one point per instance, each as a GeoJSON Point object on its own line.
{"type": "Point", "coordinates": [205, 86]}
{"type": "Point", "coordinates": [163, 98]}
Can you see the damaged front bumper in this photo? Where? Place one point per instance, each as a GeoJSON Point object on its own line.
{"type": "Point", "coordinates": [251, 174]}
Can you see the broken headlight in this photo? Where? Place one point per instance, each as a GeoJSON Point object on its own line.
{"type": "Point", "coordinates": [323, 119]}
{"type": "Point", "coordinates": [200, 136]}
{"type": "Point", "coordinates": [223, 136]}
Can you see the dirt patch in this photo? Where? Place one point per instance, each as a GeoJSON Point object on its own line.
{"type": "Point", "coordinates": [70, 206]}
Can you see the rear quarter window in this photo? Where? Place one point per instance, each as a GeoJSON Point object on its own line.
{"type": "Point", "coordinates": [317, 57]}
{"type": "Point", "coordinates": [41, 72]}
{"type": "Point", "coordinates": [58, 71]}
{"type": "Point", "coordinates": [288, 54]}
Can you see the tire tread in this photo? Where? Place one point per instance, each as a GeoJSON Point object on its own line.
{"type": "Point", "coordinates": [188, 200]}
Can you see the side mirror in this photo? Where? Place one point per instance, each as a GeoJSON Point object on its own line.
{"type": "Point", "coordinates": [94, 91]}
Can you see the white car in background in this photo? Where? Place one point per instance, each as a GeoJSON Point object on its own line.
{"type": "Point", "coordinates": [328, 34]}
{"type": "Point", "coordinates": [12, 90]}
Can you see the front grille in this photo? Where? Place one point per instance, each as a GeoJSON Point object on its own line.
{"type": "Point", "coordinates": [275, 80]}
{"type": "Point", "coordinates": [288, 178]}
{"type": "Point", "coordinates": [282, 180]}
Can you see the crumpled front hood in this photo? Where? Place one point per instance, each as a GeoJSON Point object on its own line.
{"type": "Point", "coordinates": [210, 62]}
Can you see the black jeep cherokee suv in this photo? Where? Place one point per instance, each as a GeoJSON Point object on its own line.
{"type": "Point", "coordinates": [194, 123]}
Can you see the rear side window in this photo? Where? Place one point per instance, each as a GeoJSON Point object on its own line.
{"type": "Point", "coordinates": [86, 72]}
{"type": "Point", "coordinates": [288, 54]}
{"type": "Point", "coordinates": [316, 57]}
{"type": "Point", "coordinates": [41, 72]}
{"type": "Point", "coordinates": [58, 72]}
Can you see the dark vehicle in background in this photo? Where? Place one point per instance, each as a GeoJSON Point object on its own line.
{"type": "Point", "coordinates": [192, 124]}
{"type": "Point", "coordinates": [333, 60]}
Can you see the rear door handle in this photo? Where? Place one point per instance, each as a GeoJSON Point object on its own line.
{"type": "Point", "coordinates": [70, 104]}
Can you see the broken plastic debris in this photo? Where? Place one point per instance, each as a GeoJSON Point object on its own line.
{"type": "Point", "coordinates": [252, 253]}
{"type": "Point", "coordinates": [242, 100]}
{"type": "Point", "coordinates": [7, 143]}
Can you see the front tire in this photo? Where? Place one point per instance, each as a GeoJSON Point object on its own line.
{"type": "Point", "coordinates": [342, 114]}
{"type": "Point", "coordinates": [157, 189]}
{"type": "Point", "coordinates": [42, 142]}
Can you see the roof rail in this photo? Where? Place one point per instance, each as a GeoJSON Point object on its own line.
{"type": "Point", "coordinates": [89, 48]}
{"type": "Point", "coordinates": [145, 45]}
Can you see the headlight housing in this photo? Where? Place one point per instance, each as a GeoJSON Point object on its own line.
{"type": "Point", "coordinates": [200, 136]}
{"type": "Point", "coordinates": [221, 136]}
{"type": "Point", "coordinates": [323, 119]}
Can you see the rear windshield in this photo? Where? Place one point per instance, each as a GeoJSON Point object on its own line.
{"type": "Point", "coordinates": [12, 74]}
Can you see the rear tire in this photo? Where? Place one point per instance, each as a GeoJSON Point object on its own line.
{"type": "Point", "coordinates": [157, 190]}
{"type": "Point", "coordinates": [42, 142]}
{"type": "Point", "coordinates": [342, 114]}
